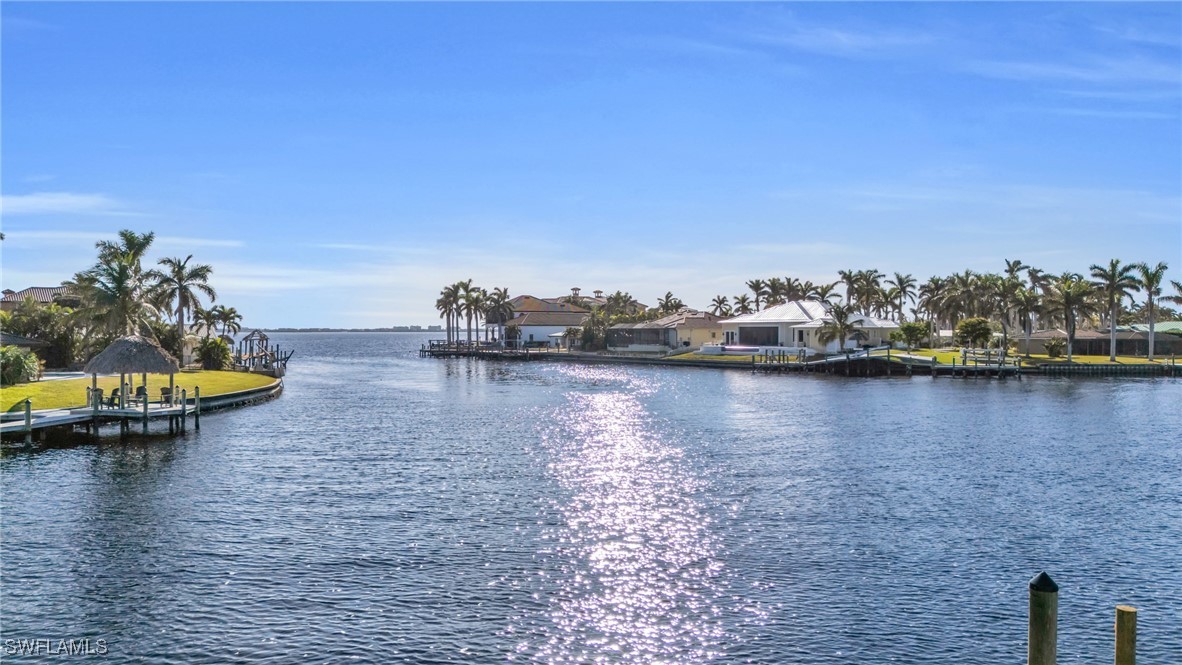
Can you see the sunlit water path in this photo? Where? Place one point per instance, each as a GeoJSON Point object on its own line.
{"type": "Point", "coordinates": [393, 509]}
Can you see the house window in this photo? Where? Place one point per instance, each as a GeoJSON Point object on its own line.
{"type": "Point", "coordinates": [713, 335]}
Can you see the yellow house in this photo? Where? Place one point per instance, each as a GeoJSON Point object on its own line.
{"type": "Point", "coordinates": [687, 328]}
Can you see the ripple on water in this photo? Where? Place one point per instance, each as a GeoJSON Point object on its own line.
{"type": "Point", "coordinates": [388, 508]}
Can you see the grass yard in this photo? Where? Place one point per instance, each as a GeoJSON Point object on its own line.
{"type": "Point", "coordinates": [1036, 359]}
{"type": "Point", "coordinates": [71, 393]}
{"type": "Point", "coordinates": [946, 356]}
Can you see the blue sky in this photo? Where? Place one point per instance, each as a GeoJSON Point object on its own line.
{"type": "Point", "coordinates": [338, 164]}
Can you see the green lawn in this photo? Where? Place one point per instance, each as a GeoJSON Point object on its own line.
{"type": "Point", "coordinates": [71, 393]}
{"type": "Point", "coordinates": [946, 356]}
{"type": "Point", "coordinates": [1036, 359]}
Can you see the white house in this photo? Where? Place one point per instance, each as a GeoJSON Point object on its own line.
{"type": "Point", "coordinates": [797, 325]}
{"type": "Point", "coordinates": [538, 328]}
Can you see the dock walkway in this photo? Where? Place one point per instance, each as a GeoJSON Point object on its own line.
{"type": "Point", "coordinates": [33, 422]}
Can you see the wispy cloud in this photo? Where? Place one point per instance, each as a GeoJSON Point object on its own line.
{"type": "Point", "coordinates": [184, 241]}
{"type": "Point", "coordinates": [352, 247]}
{"type": "Point", "coordinates": [56, 237]}
{"type": "Point", "coordinates": [47, 203]}
{"type": "Point", "coordinates": [1138, 35]}
{"type": "Point", "coordinates": [1104, 113]}
{"type": "Point", "coordinates": [1135, 69]}
{"type": "Point", "coordinates": [91, 237]}
{"type": "Point", "coordinates": [848, 41]}
{"type": "Point", "coordinates": [1165, 93]}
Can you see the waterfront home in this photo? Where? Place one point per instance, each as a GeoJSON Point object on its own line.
{"type": "Point", "coordinates": [527, 304]}
{"type": "Point", "coordinates": [687, 328]}
{"type": "Point", "coordinates": [542, 328]}
{"type": "Point", "coordinates": [797, 324]}
{"type": "Point", "coordinates": [1130, 341]}
{"type": "Point", "coordinates": [43, 295]}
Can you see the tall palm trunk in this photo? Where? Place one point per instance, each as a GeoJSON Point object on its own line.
{"type": "Point", "coordinates": [1112, 334]}
{"type": "Point", "coordinates": [1151, 328]}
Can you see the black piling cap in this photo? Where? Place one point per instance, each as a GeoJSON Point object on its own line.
{"type": "Point", "coordinates": [1043, 582]}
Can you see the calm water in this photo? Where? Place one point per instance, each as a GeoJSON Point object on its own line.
{"type": "Point", "coordinates": [388, 508]}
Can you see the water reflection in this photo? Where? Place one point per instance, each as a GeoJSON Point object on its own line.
{"type": "Point", "coordinates": [636, 568]}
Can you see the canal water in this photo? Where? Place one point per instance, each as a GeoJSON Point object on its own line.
{"type": "Point", "coordinates": [388, 508]}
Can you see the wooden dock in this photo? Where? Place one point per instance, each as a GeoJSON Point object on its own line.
{"type": "Point", "coordinates": [443, 349]}
{"type": "Point", "coordinates": [33, 424]}
{"type": "Point", "coordinates": [864, 365]}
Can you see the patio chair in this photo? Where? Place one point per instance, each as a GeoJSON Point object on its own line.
{"type": "Point", "coordinates": [165, 396]}
{"type": "Point", "coordinates": [113, 400]}
{"type": "Point", "coordinates": [141, 394]}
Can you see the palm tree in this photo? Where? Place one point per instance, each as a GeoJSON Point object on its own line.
{"type": "Point", "coordinates": [114, 296]}
{"type": "Point", "coordinates": [720, 306]}
{"type": "Point", "coordinates": [1149, 280]}
{"type": "Point", "coordinates": [1116, 282]}
{"type": "Point", "coordinates": [742, 304]}
{"type": "Point", "coordinates": [472, 302]}
{"type": "Point", "coordinates": [669, 303]}
{"type": "Point", "coordinates": [230, 319]}
{"type": "Point", "coordinates": [498, 310]}
{"type": "Point", "coordinates": [1072, 295]}
{"type": "Point", "coordinates": [1027, 303]}
{"type": "Point", "coordinates": [1177, 297]}
{"type": "Point", "coordinates": [850, 279]}
{"type": "Point", "coordinates": [776, 291]}
{"type": "Point", "coordinates": [904, 286]}
{"type": "Point", "coordinates": [131, 244]}
{"type": "Point", "coordinates": [206, 318]}
{"type": "Point", "coordinates": [838, 327]}
{"type": "Point", "coordinates": [825, 292]}
{"type": "Point", "coordinates": [181, 282]}
{"type": "Point", "coordinates": [759, 289]}
{"type": "Point", "coordinates": [1014, 267]}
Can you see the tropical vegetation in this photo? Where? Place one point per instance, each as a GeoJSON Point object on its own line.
{"type": "Point", "coordinates": [1016, 300]}
{"type": "Point", "coordinates": [121, 294]}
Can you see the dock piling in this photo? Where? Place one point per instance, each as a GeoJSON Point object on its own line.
{"type": "Point", "coordinates": [1043, 623]}
{"type": "Point", "coordinates": [1126, 635]}
{"type": "Point", "coordinates": [184, 406]}
{"type": "Point", "coordinates": [197, 408]}
{"type": "Point", "coordinates": [145, 414]}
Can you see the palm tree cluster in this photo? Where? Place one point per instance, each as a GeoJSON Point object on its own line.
{"type": "Point", "coordinates": [1020, 297]}
{"type": "Point", "coordinates": [469, 303]}
{"type": "Point", "coordinates": [119, 296]}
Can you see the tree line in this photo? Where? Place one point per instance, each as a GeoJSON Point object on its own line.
{"type": "Point", "coordinates": [1019, 298]}
{"type": "Point", "coordinates": [119, 295]}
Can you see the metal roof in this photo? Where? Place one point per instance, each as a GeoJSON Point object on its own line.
{"type": "Point", "coordinates": [793, 311]}
{"type": "Point", "coordinates": [805, 314]}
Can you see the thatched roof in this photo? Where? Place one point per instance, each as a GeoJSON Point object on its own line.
{"type": "Point", "coordinates": [134, 355]}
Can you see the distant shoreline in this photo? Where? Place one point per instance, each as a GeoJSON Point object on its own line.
{"type": "Point", "coordinates": [396, 329]}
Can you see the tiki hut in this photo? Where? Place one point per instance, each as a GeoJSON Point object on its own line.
{"type": "Point", "coordinates": [132, 355]}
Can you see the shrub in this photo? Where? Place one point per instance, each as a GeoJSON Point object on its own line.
{"type": "Point", "coordinates": [974, 332]}
{"type": "Point", "coordinates": [1055, 346]}
{"type": "Point", "coordinates": [215, 354]}
{"type": "Point", "coordinates": [911, 333]}
{"type": "Point", "coordinates": [18, 365]}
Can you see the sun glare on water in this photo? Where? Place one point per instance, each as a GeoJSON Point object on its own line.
{"type": "Point", "coordinates": [637, 572]}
